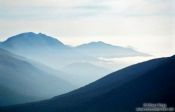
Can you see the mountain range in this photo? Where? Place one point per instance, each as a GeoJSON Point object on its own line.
{"type": "Point", "coordinates": [121, 91]}
{"type": "Point", "coordinates": [50, 51]}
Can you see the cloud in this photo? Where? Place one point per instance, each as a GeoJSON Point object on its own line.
{"type": "Point", "coordinates": [56, 9]}
{"type": "Point", "coordinates": [40, 3]}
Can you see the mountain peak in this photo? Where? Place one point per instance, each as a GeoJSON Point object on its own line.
{"type": "Point", "coordinates": [99, 44]}
{"type": "Point", "coordinates": [30, 35]}
{"type": "Point", "coordinates": [95, 44]}
{"type": "Point", "coordinates": [25, 34]}
{"type": "Point", "coordinates": [32, 39]}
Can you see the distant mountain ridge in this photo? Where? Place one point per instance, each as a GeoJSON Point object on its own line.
{"type": "Point", "coordinates": [122, 91]}
{"type": "Point", "coordinates": [97, 44]}
{"type": "Point", "coordinates": [101, 49]}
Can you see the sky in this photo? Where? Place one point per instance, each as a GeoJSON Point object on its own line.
{"type": "Point", "coordinates": [145, 25]}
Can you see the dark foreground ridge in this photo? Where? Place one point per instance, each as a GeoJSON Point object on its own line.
{"type": "Point", "coordinates": [121, 91]}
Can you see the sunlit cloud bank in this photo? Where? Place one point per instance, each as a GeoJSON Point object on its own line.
{"type": "Point", "coordinates": [119, 63]}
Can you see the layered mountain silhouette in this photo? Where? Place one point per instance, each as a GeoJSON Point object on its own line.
{"type": "Point", "coordinates": [23, 81]}
{"type": "Point", "coordinates": [52, 52]}
{"type": "Point", "coordinates": [47, 50]}
{"type": "Point", "coordinates": [122, 91]}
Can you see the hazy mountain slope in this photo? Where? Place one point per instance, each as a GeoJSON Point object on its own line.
{"type": "Point", "coordinates": [21, 77]}
{"type": "Point", "coordinates": [9, 97]}
{"type": "Point", "coordinates": [101, 49]}
{"type": "Point", "coordinates": [123, 91]}
{"type": "Point", "coordinates": [83, 73]}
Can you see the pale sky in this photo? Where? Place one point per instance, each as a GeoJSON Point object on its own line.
{"type": "Point", "coordinates": [146, 25]}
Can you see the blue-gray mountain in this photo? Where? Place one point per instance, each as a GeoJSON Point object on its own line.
{"type": "Point", "coordinates": [101, 49]}
{"type": "Point", "coordinates": [121, 91]}
{"type": "Point", "coordinates": [22, 80]}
